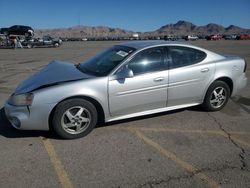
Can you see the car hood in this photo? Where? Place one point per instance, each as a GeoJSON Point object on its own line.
{"type": "Point", "coordinates": [54, 73]}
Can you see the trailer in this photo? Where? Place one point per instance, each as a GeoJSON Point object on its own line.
{"type": "Point", "coordinates": [11, 41]}
{"type": "Point", "coordinates": [22, 41]}
{"type": "Point", "coordinates": [45, 41]}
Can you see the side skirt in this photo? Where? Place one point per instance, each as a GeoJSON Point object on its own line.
{"type": "Point", "coordinates": [148, 112]}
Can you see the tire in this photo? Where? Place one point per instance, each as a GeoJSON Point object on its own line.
{"type": "Point", "coordinates": [56, 44]}
{"type": "Point", "coordinates": [217, 96]}
{"type": "Point", "coordinates": [29, 46]}
{"type": "Point", "coordinates": [28, 34]}
{"type": "Point", "coordinates": [74, 118]}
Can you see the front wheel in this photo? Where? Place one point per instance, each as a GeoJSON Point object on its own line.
{"type": "Point", "coordinates": [217, 96]}
{"type": "Point", "coordinates": [74, 118]}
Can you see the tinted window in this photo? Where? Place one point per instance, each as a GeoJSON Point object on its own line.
{"type": "Point", "coordinates": [184, 56]}
{"type": "Point", "coordinates": [149, 60]}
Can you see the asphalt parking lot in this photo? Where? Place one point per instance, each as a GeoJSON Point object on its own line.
{"type": "Point", "coordinates": [183, 148]}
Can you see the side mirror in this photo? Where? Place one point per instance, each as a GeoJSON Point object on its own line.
{"type": "Point", "coordinates": [124, 73]}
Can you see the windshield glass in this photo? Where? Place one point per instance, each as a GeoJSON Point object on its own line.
{"type": "Point", "coordinates": [103, 63]}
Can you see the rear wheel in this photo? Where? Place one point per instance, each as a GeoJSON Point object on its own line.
{"type": "Point", "coordinates": [74, 118]}
{"type": "Point", "coordinates": [26, 34]}
{"type": "Point", "coordinates": [29, 46]}
{"type": "Point", "coordinates": [217, 96]}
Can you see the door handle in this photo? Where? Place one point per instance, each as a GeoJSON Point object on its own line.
{"type": "Point", "coordinates": [205, 70]}
{"type": "Point", "coordinates": [158, 79]}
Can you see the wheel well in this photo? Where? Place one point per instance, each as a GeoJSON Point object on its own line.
{"type": "Point", "coordinates": [100, 112]}
{"type": "Point", "coordinates": [228, 81]}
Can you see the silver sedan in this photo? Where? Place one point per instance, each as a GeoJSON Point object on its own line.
{"type": "Point", "coordinates": [128, 80]}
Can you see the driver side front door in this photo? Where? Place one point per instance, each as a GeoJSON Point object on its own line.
{"type": "Point", "coordinates": [146, 90]}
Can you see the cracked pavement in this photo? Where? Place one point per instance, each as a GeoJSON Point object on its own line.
{"type": "Point", "coordinates": [242, 151]}
{"type": "Point", "coordinates": [182, 148]}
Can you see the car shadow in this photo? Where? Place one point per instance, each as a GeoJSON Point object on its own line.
{"type": "Point", "coordinates": [242, 100]}
{"type": "Point", "coordinates": [6, 129]}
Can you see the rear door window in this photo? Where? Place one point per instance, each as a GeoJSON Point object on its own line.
{"type": "Point", "coordinates": [183, 56]}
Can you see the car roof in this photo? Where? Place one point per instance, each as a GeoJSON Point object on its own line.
{"type": "Point", "coordinates": [20, 26]}
{"type": "Point", "coordinates": [139, 45]}
{"type": "Point", "coordinates": [150, 43]}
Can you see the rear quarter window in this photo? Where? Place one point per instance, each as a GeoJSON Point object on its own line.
{"type": "Point", "coordinates": [184, 56]}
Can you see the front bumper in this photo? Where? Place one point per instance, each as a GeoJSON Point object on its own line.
{"type": "Point", "coordinates": [16, 115]}
{"type": "Point", "coordinates": [28, 118]}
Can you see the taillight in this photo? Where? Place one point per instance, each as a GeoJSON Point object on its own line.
{"type": "Point", "coordinates": [245, 68]}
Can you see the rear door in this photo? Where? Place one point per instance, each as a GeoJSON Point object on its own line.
{"type": "Point", "coordinates": [146, 90]}
{"type": "Point", "coordinates": [189, 75]}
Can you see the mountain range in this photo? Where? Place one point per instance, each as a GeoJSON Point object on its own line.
{"type": "Point", "coordinates": [180, 28]}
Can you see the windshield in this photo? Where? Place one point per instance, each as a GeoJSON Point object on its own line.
{"type": "Point", "coordinates": [103, 63]}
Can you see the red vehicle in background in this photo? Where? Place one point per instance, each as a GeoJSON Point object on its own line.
{"type": "Point", "coordinates": [243, 37]}
{"type": "Point", "coordinates": [214, 37]}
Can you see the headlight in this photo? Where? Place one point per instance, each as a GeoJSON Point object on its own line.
{"type": "Point", "coordinates": [21, 100]}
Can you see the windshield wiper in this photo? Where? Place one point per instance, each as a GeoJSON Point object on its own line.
{"type": "Point", "coordinates": [78, 66]}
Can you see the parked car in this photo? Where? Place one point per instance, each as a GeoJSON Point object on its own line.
{"type": "Point", "coordinates": [202, 37]}
{"type": "Point", "coordinates": [191, 37]}
{"type": "Point", "coordinates": [127, 80]}
{"type": "Point", "coordinates": [230, 37]}
{"type": "Point", "coordinates": [18, 30]}
{"type": "Point", "coordinates": [214, 37]}
{"type": "Point", "coordinates": [170, 38]}
{"type": "Point", "coordinates": [40, 42]}
{"type": "Point", "coordinates": [243, 37]}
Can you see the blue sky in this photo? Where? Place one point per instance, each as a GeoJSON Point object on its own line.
{"type": "Point", "coordinates": [136, 15]}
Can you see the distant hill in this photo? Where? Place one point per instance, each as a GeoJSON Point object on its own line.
{"type": "Point", "coordinates": [85, 32]}
{"type": "Point", "coordinates": [188, 28]}
{"type": "Point", "coordinates": [179, 28]}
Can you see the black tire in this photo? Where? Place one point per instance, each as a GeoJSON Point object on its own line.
{"type": "Point", "coordinates": [217, 86]}
{"type": "Point", "coordinates": [60, 118]}
{"type": "Point", "coordinates": [28, 34]}
{"type": "Point", "coordinates": [29, 46]}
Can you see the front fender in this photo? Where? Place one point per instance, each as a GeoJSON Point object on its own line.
{"type": "Point", "coordinates": [93, 88]}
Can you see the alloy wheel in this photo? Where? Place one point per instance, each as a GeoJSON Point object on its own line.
{"type": "Point", "coordinates": [218, 97]}
{"type": "Point", "coordinates": [76, 120]}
